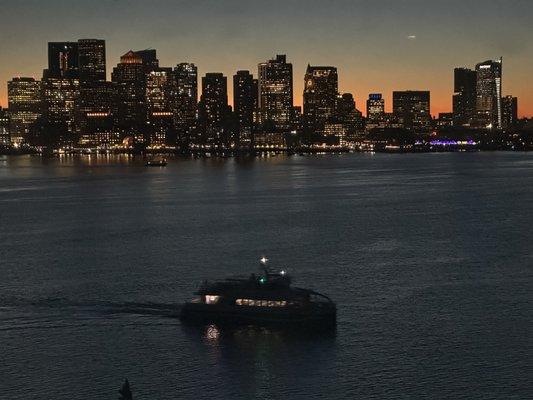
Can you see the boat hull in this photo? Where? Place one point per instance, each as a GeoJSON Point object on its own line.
{"type": "Point", "coordinates": [323, 317]}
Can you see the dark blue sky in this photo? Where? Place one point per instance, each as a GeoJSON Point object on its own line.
{"type": "Point", "coordinates": [369, 41]}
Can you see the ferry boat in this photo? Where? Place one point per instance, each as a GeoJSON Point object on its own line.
{"type": "Point", "coordinates": [156, 162]}
{"type": "Point", "coordinates": [264, 299]}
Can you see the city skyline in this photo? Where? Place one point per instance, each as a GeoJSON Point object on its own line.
{"type": "Point", "coordinates": [372, 54]}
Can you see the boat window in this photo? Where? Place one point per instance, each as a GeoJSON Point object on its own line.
{"type": "Point", "coordinates": [261, 303]}
{"type": "Point", "coordinates": [211, 299]}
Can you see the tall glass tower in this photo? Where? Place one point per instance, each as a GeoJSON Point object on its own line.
{"type": "Point", "coordinates": [489, 93]}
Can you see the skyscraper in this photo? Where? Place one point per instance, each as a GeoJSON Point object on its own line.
{"type": "Point", "coordinates": [375, 108]}
{"type": "Point", "coordinates": [244, 103]}
{"type": "Point", "coordinates": [276, 93]}
{"type": "Point", "coordinates": [510, 111]}
{"type": "Point", "coordinates": [348, 120]}
{"type": "Point", "coordinates": [94, 108]}
{"type": "Point", "coordinates": [159, 91]}
{"type": "Point", "coordinates": [319, 98]}
{"type": "Point", "coordinates": [185, 106]}
{"type": "Point", "coordinates": [62, 60]}
{"type": "Point", "coordinates": [489, 93]}
{"type": "Point", "coordinates": [349, 115]}
{"type": "Point", "coordinates": [149, 59]}
{"type": "Point", "coordinates": [24, 102]}
{"type": "Point", "coordinates": [60, 97]}
{"type": "Point", "coordinates": [91, 60]}
{"type": "Point", "coordinates": [345, 105]}
{"type": "Point", "coordinates": [214, 110]}
{"type": "Point", "coordinates": [464, 98]}
{"type": "Point", "coordinates": [96, 112]}
{"type": "Point", "coordinates": [130, 78]}
{"type": "Point", "coordinates": [5, 139]}
{"type": "Point", "coordinates": [412, 108]}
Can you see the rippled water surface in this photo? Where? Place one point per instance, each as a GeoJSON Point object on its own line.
{"type": "Point", "coordinates": [427, 256]}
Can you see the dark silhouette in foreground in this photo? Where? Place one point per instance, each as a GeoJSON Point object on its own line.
{"type": "Point", "coordinates": [125, 392]}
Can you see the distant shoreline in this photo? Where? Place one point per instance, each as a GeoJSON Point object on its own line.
{"type": "Point", "coordinates": [259, 153]}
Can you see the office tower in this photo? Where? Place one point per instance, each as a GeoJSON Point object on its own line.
{"type": "Point", "coordinates": [24, 103]}
{"type": "Point", "coordinates": [336, 133]}
{"type": "Point", "coordinates": [319, 98]}
{"type": "Point", "coordinates": [214, 110]}
{"type": "Point", "coordinates": [489, 94]}
{"type": "Point", "coordinates": [445, 120]}
{"type": "Point", "coordinates": [159, 101]}
{"type": "Point", "coordinates": [413, 109]}
{"type": "Point", "coordinates": [464, 98]}
{"type": "Point", "coordinates": [149, 59]}
{"type": "Point", "coordinates": [91, 60]}
{"type": "Point", "coordinates": [510, 111]}
{"type": "Point", "coordinates": [60, 97]}
{"type": "Point", "coordinates": [375, 108]}
{"type": "Point", "coordinates": [62, 60]}
{"type": "Point", "coordinates": [348, 115]}
{"type": "Point", "coordinates": [5, 139]}
{"type": "Point", "coordinates": [256, 91]}
{"type": "Point", "coordinates": [297, 123]}
{"type": "Point", "coordinates": [345, 105]}
{"type": "Point", "coordinates": [130, 79]}
{"type": "Point", "coordinates": [275, 93]}
{"type": "Point", "coordinates": [96, 110]}
{"type": "Point", "coordinates": [244, 103]}
{"type": "Point", "coordinates": [185, 106]}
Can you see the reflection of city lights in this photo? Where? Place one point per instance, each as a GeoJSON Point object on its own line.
{"type": "Point", "coordinates": [212, 333]}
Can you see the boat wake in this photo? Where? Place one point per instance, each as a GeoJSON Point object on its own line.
{"type": "Point", "coordinates": [49, 309]}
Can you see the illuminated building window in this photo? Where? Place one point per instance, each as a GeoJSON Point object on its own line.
{"type": "Point", "coordinates": [209, 299]}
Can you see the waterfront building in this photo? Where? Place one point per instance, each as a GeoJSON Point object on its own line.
{"type": "Point", "coordinates": [489, 94]}
{"type": "Point", "coordinates": [60, 98]}
{"type": "Point", "coordinates": [96, 110]}
{"type": "Point", "coordinates": [159, 102]}
{"type": "Point", "coordinates": [25, 107]}
{"type": "Point", "coordinates": [214, 110]}
{"type": "Point", "coordinates": [338, 131]}
{"type": "Point", "coordinates": [510, 111]}
{"type": "Point", "coordinates": [375, 108]}
{"type": "Point", "coordinates": [389, 121]}
{"type": "Point", "coordinates": [130, 79]}
{"type": "Point", "coordinates": [464, 97]}
{"type": "Point", "coordinates": [185, 108]}
{"type": "Point", "coordinates": [5, 139]}
{"type": "Point", "coordinates": [275, 93]}
{"type": "Point", "coordinates": [296, 119]}
{"type": "Point", "coordinates": [319, 97]}
{"type": "Point", "coordinates": [244, 104]}
{"type": "Point", "coordinates": [349, 116]}
{"type": "Point", "coordinates": [412, 108]}
{"type": "Point", "coordinates": [445, 120]}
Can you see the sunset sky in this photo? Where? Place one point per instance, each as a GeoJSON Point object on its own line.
{"type": "Point", "coordinates": [378, 46]}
